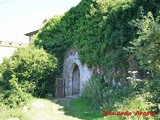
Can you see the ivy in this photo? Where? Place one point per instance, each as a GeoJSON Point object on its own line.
{"type": "Point", "coordinates": [99, 30]}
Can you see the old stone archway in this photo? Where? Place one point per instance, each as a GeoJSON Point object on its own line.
{"type": "Point", "coordinates": [75, 80]}
{"type": "Point", "coordinates": [75, 73]}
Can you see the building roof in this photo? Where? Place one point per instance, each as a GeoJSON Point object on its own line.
{"type": "Point", "coordinates": [32, 33]}
{"type": "Point", "coordinates": [35, 31]}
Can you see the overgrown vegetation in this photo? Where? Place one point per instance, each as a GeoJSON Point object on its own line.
{"type": "Point", "coordinates": [81, 109]}
{"type": "Point", "coordinates": [146, 46]}
{"type": "Point", "coordinates": [28, 72]}
{"type": "Point", "coordinates": [100, 32]}
{"type": "Point", "coordinates": [113, 36]}
{"type": "Point", "coordinates": [6, 113]}
{"type": "Point", "coordinates": [135, 95]}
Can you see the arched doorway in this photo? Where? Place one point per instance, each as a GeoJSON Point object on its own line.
{"type": "Point", "coordinates": [76, 80]}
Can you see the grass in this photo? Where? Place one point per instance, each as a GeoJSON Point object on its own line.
{"type": "Point", "coordinates": [84, 111]}
{"type": "Point", "coordinates": [44, 109]}
{"type": "Point", "coordinates": [66, 109]}
{"type": "Point", "coordinates": [81, 110]}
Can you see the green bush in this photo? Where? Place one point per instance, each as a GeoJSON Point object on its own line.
{"type": "Point", "coordinates": [134, 95]}
{"type": "Point", "coordinates": [152, 89]}
{"type": "Point", "coordinates": [15, 96]}
{"type": "Point", "coordinates": [101, 93]}
{"type": "Point", "coordinates": [28, 71]}
{"type": "Point", "coordinates": [93, 92]}
{"type": "Point", "coordinates": [9, 113]}
{"type": "Point", "coordinates": [146, 46]}
{"type": "Point", "coordinates": [134, 106]}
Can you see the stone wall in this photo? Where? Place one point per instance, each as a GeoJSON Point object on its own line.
{"type": "Point", "coordinates": [72, 59]}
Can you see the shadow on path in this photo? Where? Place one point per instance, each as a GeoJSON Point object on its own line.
{"type": "Point", "coordinates": [78, 109]}
{"type": "Point", "coordinates": [44, 109]}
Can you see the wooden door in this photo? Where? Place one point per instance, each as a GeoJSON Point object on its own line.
{"type": "Point", "coordinates": [75, 81]}
{"type": "Point", "coordinates": [59, 87]}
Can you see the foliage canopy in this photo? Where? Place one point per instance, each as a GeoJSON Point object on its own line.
{"type": "Point", "coordinates": [28, 71]}
{"type": "Point", "coordinates": [99, 30]}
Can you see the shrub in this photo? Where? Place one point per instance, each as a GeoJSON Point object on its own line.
{"type": "Point", "coordinates": [132, 95]}
{"type": "Point", "coordinates": [28, 71]}
{"type": "Point", "coordinates": [152, 89]}
{"type": "Point", "coordinates": [100, 93]}
{"type": "Point", "coordinates": [15, 97]}
{"type": "Point", "coordinates": [134, 104]}
{"type": "Point", "coordinates": [7, 113]}
{"type": "Point", "coordinates": [146, 46]}
{"type": "Point", "coordinates": [93, 92]}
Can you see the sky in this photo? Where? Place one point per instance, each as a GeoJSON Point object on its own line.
{"type": "Point", "coordinates": [18, 17]}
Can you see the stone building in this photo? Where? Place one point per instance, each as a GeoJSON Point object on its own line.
{"type": "Point", "coordinates": [31, 35]}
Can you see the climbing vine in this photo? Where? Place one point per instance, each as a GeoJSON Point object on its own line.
{"type": "Point", "coordinates": [99, 30]}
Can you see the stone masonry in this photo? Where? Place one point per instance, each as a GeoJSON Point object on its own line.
{"type": "Point", "coordinates": [70, 61]}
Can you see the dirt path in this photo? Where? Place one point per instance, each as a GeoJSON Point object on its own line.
{"type": "Point", "coordinates": [42, 109]}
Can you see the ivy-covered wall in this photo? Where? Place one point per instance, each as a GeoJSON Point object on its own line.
{"type": "Point", "coordinates": [101, 32]}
